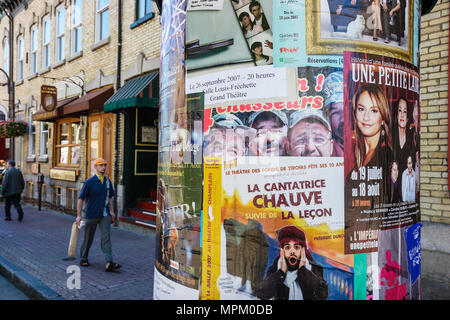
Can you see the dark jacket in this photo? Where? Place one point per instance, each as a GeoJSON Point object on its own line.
{"type": "Point", "coordinates": [311, 283]}
{"type": "Point", "coordinates": [13, 182]}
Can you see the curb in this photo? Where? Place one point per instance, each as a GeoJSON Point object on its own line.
{"type": "Point", "coordinates": [29, 285]}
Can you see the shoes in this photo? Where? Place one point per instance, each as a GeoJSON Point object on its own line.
{"type": "Point", "coordinates": [112, 266]}
{"type": "Point", "coordinates": [7, 219]}
{"type": "Point", "coordinates": [84, 263]}
{"type": "Point", "coordinates": [386, 40]}
{"type": "Point", "coordinates": [375, 39]}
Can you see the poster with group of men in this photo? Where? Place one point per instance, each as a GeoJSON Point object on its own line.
{"type": "Point", "coordinates": [290, 146]}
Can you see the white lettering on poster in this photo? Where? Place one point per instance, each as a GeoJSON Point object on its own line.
{"type": "Point", "coordinates": [240, 84]}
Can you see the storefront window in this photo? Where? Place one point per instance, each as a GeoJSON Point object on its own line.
{"type": "Point", "coordinates": [43, 149]}
{"type": "Point", "coordinates": [68, 142]}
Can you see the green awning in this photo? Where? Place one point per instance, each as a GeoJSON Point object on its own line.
{"type": "Point", "coordinates": [138, 92]}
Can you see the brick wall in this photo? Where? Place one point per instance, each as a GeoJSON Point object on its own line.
{"type": "Point", "coordinates": [434, 195]}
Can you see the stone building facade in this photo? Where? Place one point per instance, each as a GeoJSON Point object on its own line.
{"type": "Point", "coordinates": [434, 195]}
{"type": "Point", "coordinates": [73, 45]}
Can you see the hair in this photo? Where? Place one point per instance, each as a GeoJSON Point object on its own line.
{"type": "Point", "coordinates": [241, 16]}
{"type": "Point", "coordinates": [254, 4]}
{"type": "Point", "coordinates": [266, 116]}
{"type": "Point", "coordinates": [377, 95]}
{"type": "Point", "coordinates": [12, 163]}
{"type": "Point", "coordinates": [255, 45]}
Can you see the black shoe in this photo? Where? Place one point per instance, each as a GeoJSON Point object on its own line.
{"type": "Point", "coordinates": [7, 219]}
{"type": "Point", "coordinates": [21, 216]}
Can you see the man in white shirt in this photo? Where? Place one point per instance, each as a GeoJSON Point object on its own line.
{"type": "Point", "coordinates": [409, 183]}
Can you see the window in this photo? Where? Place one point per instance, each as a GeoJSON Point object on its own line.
{"type": "Point", "coordinates": [60, 32]}
{"type": "Point", "coordinates": [46, 43]}
{"type": "Point", "coordinates": [20, 59]}
{"type": "Point", "coordinates": [143, 8]}
{"type": "Point", "coordinates": [6, 55]}
{"type": "Point", "coordinates": [67, 149]}
{"type": "Point", "coordinates": [76, 28]}
{"type": "Point", "coordinates": [31, 137]}
{"type": "Point", "coordinates": [43, 150]}
{"type": "Point", "coordinates": [102, 20]}
{"type": "Point", "coordinates": [33, 51]}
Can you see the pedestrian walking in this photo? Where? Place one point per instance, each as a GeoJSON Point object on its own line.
{"type": "Point", "coordinates": [12, 187]}
{"type": "Point", "coordinates": [97, 194]}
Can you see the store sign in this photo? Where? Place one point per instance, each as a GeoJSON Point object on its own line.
{"type": "Point", "coordinates": [67, 175]}
{"type": "Point", "coordinates": [48, 97]}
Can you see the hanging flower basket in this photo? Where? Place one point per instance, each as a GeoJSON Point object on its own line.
{"type": "Point", "coordinates": [10, 129]}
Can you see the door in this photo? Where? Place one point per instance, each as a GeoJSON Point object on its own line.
{"type": "Point", "coordinates": [100, 142]}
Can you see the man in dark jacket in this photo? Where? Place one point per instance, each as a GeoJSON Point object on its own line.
{"type": "Point", "coordinates": [12, 187]}
{"type": "Point", "coordinates": [289, 278]}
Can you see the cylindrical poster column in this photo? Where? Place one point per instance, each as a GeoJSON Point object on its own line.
{"type": "Point", "coordinates": [289, 150]}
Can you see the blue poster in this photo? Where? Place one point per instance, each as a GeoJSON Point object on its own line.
{"type": "Point", "coordinates": [289, 43]}
{"type": "Point", "coordinates": [412, 236]}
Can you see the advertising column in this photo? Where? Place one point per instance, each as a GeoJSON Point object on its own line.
{"type": "Point", "coordinates": [299, 148]}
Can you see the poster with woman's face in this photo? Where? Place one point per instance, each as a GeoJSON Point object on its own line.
{"type": "Point", "coordinates": [381, 156]}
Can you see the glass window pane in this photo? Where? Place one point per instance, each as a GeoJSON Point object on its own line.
{"type": "Point", "coordinates": [75, 156]}
{"type": "Point", "coordinates": [94, 149]}
{"type": "Point", "coordinates": [64, 134]}
{"type": "Point", "coordinates": [61, 21]}
{"type": "Point", "coordinates": [77, 12]}
{"type": "Point", "coordinates": [75, 133]}
{"type": "Point", "coordinates": [46, 31]}
{"type": "Point", "coordinates": [104, 24]}
{"type": "Point", "coordinates": [102, 3]}
{"type": "Point", "coordinates": [94, 130]}
{"type": "Point", "coordinates": [141, 8]}
{"type": "Point", "coordinates": [78, 40]}
{"type": "Point", "coordinates": [63, 153]}
{"type": "Point", "coordinates": [148, 6]}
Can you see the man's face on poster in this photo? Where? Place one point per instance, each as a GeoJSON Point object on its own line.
{"type": "Point", "coordinates": [309, 138]}
{"type": "Point", "coordinates": [394, 171]}
{"type": "Point", "coordinates": [410, 164]}
{"type": "Point", "coordinates": [256, 11]}
{"type": "Point", "coordinates": [292, 253]}
{"type": "Point", "coordinates": [337, 120]}
{"type": "Point", "coordinates": [223, 142]}
{"type": "Point", "coordinates": [270, 137]}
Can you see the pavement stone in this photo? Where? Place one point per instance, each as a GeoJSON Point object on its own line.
{"type": "Point", "coordinates": [39, 244]}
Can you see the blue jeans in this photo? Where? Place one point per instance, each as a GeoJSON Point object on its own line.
{"type": "Point", "coordinates": [89, 232]}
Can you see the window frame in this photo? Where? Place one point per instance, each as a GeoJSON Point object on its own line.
{"type": "Point", "coordinates": [33, 53]}
{"type": "Point", "coordinates": [70, 145]}
{"type": "Point", "coordinates": [31, 136]}
{"type": "Point", "coordinates": [6, 57]}
{"type": "Point", "coordinates": [43, 141]}
{"type": "Point", "coordinates": [98, 21]}
{"type": "Point", "coordinates": [60, 38]}
{"type": "Point", "coordinates": [20, 52]}
{"type": "Point", "coordinates": [76, 28]}
{"type": "Point", "coordinates": [148, 13]}
{"type": "Point", "coordinates": [46, 57]}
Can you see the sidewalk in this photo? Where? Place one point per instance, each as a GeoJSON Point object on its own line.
{"type": "Point", "coordinates": [31, 253]}
{"type": "Point", "coordinates": [33, 250]}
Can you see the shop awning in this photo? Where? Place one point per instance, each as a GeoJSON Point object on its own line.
{"type": "Point", "coordinates": [138, 92]}
{"type": "Point", "coordinates": [50, 116]}
{"type": "Point", "coordinates": [92, 101]}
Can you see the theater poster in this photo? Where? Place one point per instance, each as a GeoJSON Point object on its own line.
{"type": "Point", "coordinates": [382, 153]}
{"type": "Point", "coordinates": [273, 201]}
